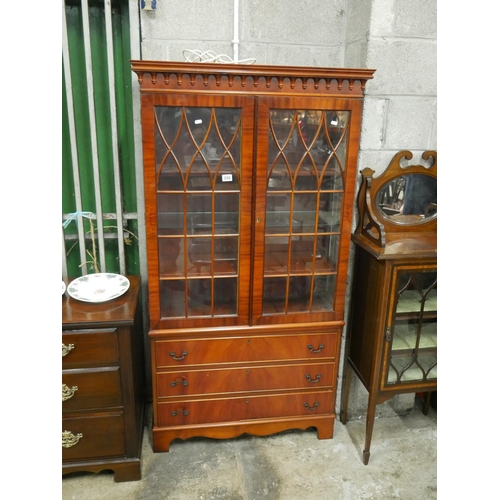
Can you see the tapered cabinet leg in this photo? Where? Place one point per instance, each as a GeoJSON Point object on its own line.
{"type": "Point", "coordinates": [345, 396]}
{"type": "Point", "coordinates": [370, 420]}
{"type": "Point", "coordinates": [427, 403]}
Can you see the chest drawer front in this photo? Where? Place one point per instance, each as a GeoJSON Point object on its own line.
{"type": "Point", "coordinates": [244, 408]}
{"type": "Point", "coordinates": [98, 435]}
{"type": "Point", "coordinates": [91, 388]}
{"type": "Point", "coordinates": [192, 382]}
{"type": "Point", "coordinates": [82, 348]}
{"type": "Point", "coordinates": [169, 353]}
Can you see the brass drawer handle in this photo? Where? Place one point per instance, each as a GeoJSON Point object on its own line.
{"type": "Point", "coordinates": [318, 376]}
{"type": "Point", "coordinates": [66, 349]}
{"type": "Point", "coordinates": [319, 349]}
{"type": "Point", "coordinates": [181, 381]}
{"type": "Point", "coordinates": [311, 407]}
{"type": "Point", "coordinates": [183, 355]}
{"type": "Point", "coordinates": [69, 439]}
{"type": "Point", "coordinates": [180, 412]}
{"type": "Point", "coordinates": [68, 392]}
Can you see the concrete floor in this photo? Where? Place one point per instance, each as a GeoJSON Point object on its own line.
{"type": "Point", "coordinates": [291, 465]}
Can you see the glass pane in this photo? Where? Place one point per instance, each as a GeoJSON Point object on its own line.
{"type": "Point", "coordinates": [279, 176]}
{"type": "Point", "coordinates": [199, 178]}
{"type": "Point", "coordinates": [173, 299]}
{"type": "Point", "coordinates": [331, 178]}
{"type": "Point", "coordinates": [171, 176]}
{"type": "Point", "coordinates": [406, 369]}
{"type": "Point", "coordinates": [326, 253]}
{"type": "Point", "coordinates": [306, 175]}
{"type": "Point", "coordinates": [225, 296]}
{"type": "Point", "coordinates": [414, 332]}
{"type": "Point", "coordinates": [336, 123]}
{"type": "Point", "coordinates": [171, 256]}
{"type": "Point", "coordinates": [225, 256]}
{"type": "Point", "coordinates": [299, 293]}
{"type": "Point", "coordinates": [274, 295]}
{"type": "Point", "coordinates": [330, 207]}
{"type": "Point", "coordinates": [276, 255]}
{"type": "Point", "coordinates": [200, 256]}
{"type": "Point", "coordinates": [302, 255]}
{"type": "Point", "coordinates": [199, 214]}
{"type": "Point", "coordinates": [226, 215]}
{"type": "Point", "coordinates": [227, 178]}
{"type": "Point", "coordinates": [168, 127]}
{"type": "Point", "coordinates": [324, 288]}
{"type": "Point", "coordinates": [304, 212]}
{"type": "Point", "coordinates": [228, 122]}
{"type": "Point", "coordinates": [170, 214]}
{"type": "Point", "coordinates": [200, 297]}
{"type": "Point", "coordinates": [278, 214]}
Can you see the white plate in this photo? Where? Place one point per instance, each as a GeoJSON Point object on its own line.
{"type": "Point", "coordinates": [99, 287]}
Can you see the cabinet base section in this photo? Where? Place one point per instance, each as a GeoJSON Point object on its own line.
{"type": "Point", "coordinates": [163, 436]}
{"type": "Point", "coordinates": [125, 469]}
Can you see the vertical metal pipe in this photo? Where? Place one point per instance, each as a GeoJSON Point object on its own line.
{"type": "Point", "coordinates": [114, 134]}
{"type": "Point", "coordinates": [73, 141]}
{"type": "Point", "coordinates": [135, 53]}
{"type": "Point", "coordinates": [64, 261]}
{"type": "Point", "coordinates": [93, 133]}
{"type": "Point", "coordinates": [236, 9]}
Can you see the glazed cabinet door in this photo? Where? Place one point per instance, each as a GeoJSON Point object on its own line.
{"type": "Point", "coordinates": [411, 335]}
{"type": "Point", "coordinates": [198, 189]}
{"type": "Point", "coordinates": [304, 150]}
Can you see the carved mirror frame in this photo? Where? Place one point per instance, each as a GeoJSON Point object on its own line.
{"type": "Point", "coordinates": [372, 223]}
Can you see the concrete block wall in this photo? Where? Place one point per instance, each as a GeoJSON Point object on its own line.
{"type": "Point", "coordinates": [395, 37]}
{"type": "Point", "coordinates": [305, 33]}
{"type": "Point", "coordinates": [398, 38]}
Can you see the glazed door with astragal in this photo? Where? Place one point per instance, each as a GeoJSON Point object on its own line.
{"type": "Point", "coordinates": [411, 337]}
{"type": "Point", "coordinates": [202, 190]}
{"type": "Point", "coordinates": [303, 154]}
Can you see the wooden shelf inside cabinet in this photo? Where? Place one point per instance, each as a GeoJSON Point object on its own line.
{"type": "Point", "coordinates": [249, 175]}
{"type": "Point", "coordinates": [102, 390]}
{"type": "Point", "coordinates": [392, 340]}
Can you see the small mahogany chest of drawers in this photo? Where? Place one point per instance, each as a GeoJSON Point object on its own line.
{"type": "Point", "coordinates": [102, 385]}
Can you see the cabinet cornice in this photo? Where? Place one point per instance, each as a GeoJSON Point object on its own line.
{"type": "Point", "coordinates": [160, 76]}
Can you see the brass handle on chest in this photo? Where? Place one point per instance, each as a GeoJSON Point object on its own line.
{"type": "Point", "coordinates": [311, 407]}
{"type": "Point", "coordinates": [69, 439]}
{"type": "Point", "coordinates": [180, 412]}
{"type": "Point", "coordinates": [309, 378]}
{"type": "Point", "coordinates": [181, 381]}
{"type": "Point", "coordinates": [68, 392]}
{"type": "Point", "coordinates": [66, 349]}
{"type": "Point", "coordinates": [183, 355]}
{"type": "Point", "coordinates": [319, 349]}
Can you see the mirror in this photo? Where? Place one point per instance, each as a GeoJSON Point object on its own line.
{"type": "Point", "coordinates": [408, 199]}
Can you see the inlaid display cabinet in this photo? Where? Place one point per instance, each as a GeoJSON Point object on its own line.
{"type": "Point", "coordinates": [392, 341]}
{"type": "Point", "coordinates": [249, 176]}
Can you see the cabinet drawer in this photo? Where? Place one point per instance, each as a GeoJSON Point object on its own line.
{"type": "Point", "coordinates": [83, 348]}
{"type": "Point", "coordinates": [91, 388]}
{"type": "Point", "coordinates": [98, 435]}
{"type": "Point", "coordinates": [170, 353]}
{"type": "Point", "coordinates": [244, 408]}
{"type": "Point", "coordinates": [190, 382]}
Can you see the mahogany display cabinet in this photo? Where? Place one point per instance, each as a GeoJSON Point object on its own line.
{"type": "Point", "coordinates": [249, 175]}
{"type": "Point", "coordinates": [392, 340]}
